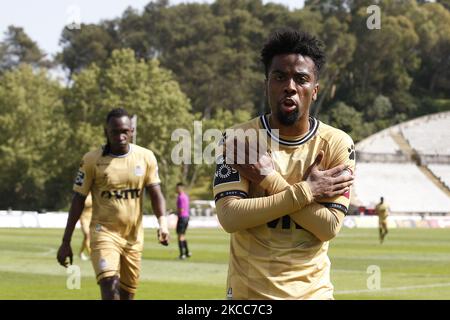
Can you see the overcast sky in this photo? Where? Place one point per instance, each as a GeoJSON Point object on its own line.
{"type": "Point", "coordinates": [44, 20]}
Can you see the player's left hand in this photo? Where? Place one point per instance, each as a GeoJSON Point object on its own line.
{"type": "Point", "coordinates": [163, 236]}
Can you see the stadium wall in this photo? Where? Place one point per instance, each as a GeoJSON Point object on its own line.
{"type": "Point", "coordinates": [29, 219]}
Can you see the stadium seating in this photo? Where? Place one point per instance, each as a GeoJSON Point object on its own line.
{"type": "Point", "coordinates": [391, 163]}
{"type": "Point", "coordinates": [405, 188]}
{"type": "Point", "coordinates": [442, 171]}
{"type": "Point", "coordinates": [430, 135]}
{"type": "Point", "coordinates": [380, 143]}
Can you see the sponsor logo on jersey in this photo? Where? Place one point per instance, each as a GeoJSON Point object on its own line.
{"type": "Point", "coordinates": [79, 178]}
{"type": "Point", "coordinates": [121, 194]}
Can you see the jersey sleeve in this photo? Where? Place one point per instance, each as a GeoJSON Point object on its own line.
{"type": "Point", "coordinates": [228, 181]}
{"type": "Point", "coordinates": [152, 175]}
{"type": "Point", "coordinates": [85, 176]}
{"type": "Point", "coordinates": [342, 151]}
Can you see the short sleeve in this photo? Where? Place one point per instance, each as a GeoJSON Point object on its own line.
{"type": "Point", "coordinates": [152, 176]}
{"type": "Point", "coordinates": [85, 176]}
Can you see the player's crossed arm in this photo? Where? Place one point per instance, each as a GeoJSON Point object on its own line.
{"type": "Point", "coordinates": [323, 222]}
{"type": "Point", "coordinates": [323, 183]}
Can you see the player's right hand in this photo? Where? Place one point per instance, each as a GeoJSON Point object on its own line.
{"type": "Point", "coordinates": [163, 236]}
{"type": "Point", "coordinates": [64, 252]}
{"type": "Point", "coordinates": [328, 183]}
{"type": "Point", "coordinates": [252, 160]}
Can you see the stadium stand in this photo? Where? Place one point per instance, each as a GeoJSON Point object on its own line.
{"type": "Point", "coordinates": [408, 164]}
{"type": "Point", "coordinates": [442, 171]}
{"type": "Point", "coordinates": [380, 143]}
{"type": "Point", "coordinates": [430, 136]}
{"type": "Point", "coordinates": [405, 188]}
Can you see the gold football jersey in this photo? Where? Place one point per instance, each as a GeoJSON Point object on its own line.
{"type": "Point", "coordinates": [382, 210]}
{"type": "Point", "coordinates": [281, 259]}
{"type": "Point", "coordinates": [117, 185]}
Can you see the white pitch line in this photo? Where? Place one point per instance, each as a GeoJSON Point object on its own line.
{"type": "Point", "coordinates": [395, 288]}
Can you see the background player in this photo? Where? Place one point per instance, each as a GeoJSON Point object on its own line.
{"type": "Point", "coordinates": [85, 221]}
{"type": "Point", "coordinates": [183, 220]}
{"type": "Point", "coordinates": [282, 210]}
{"type": "Point", "coordinates": [382, 210]}
{"type": "Point", "coordinates": [116, 175]}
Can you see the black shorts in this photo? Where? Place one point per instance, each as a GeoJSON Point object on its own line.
{"type": "Point", "coordinates": [182, 225]}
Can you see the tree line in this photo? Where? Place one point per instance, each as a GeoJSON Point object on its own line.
{"type": "Point", "coordinates": [171, 65]}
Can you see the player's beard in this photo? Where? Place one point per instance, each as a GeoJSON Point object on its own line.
{"type": "Point", "coordinates": [288, 119]}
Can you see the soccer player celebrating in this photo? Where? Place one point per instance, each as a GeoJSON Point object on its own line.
{"type": "Point", "coordinates": [116, 175]}
{"type": "Point", "coordinates": [283, 209]}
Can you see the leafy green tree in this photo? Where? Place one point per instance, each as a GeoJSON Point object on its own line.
{"type": "Point", "coordinates": [384, 60]}
{"type": "Point", "coordinates": [444, 3]}
{"type": "Point", "coordinates": [213, 52]}
{"type": "Point", "coordinates": [432, 23]}
{"type": "Point", "coordinates": [339, 48]}
{"type": "Point", "coordinates": [138, 34]}
{"type": "Point", "coordinates": [33, 140]}
{"type": "Point", "coordinates": [18, 48]}
{"type": "Point", "coordinates": [198, 176]}
{"type": "Point", "coordinates": [346, 118]}
{"type": "Point", "coordinates": [90, 44]}
{"type": "Point", "coordinates": [144, 89]}
{"type": "Point", "coordinates": [212, 55]}
{"type": "Point", "coordinates": [381, 108]}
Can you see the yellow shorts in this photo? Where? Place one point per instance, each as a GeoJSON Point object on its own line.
{"type": "Point", "coordinates": [113, 256]}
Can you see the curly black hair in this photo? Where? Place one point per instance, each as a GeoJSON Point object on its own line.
{"type": "Point", "coordinates": [287, 41]}
{"type": "Point", "coordinates": [114, 113]}
{"type": "Point", "coordinates": [117, 113]}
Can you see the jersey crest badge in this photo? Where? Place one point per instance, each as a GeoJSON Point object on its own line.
{"type": "Point", "coordinates": [225, 173]}
{"type": "Point", "coordinates": [139, 171]}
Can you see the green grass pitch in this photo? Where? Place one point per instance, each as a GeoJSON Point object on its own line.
{"type": "Point", "coordinates": [414, 264]}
